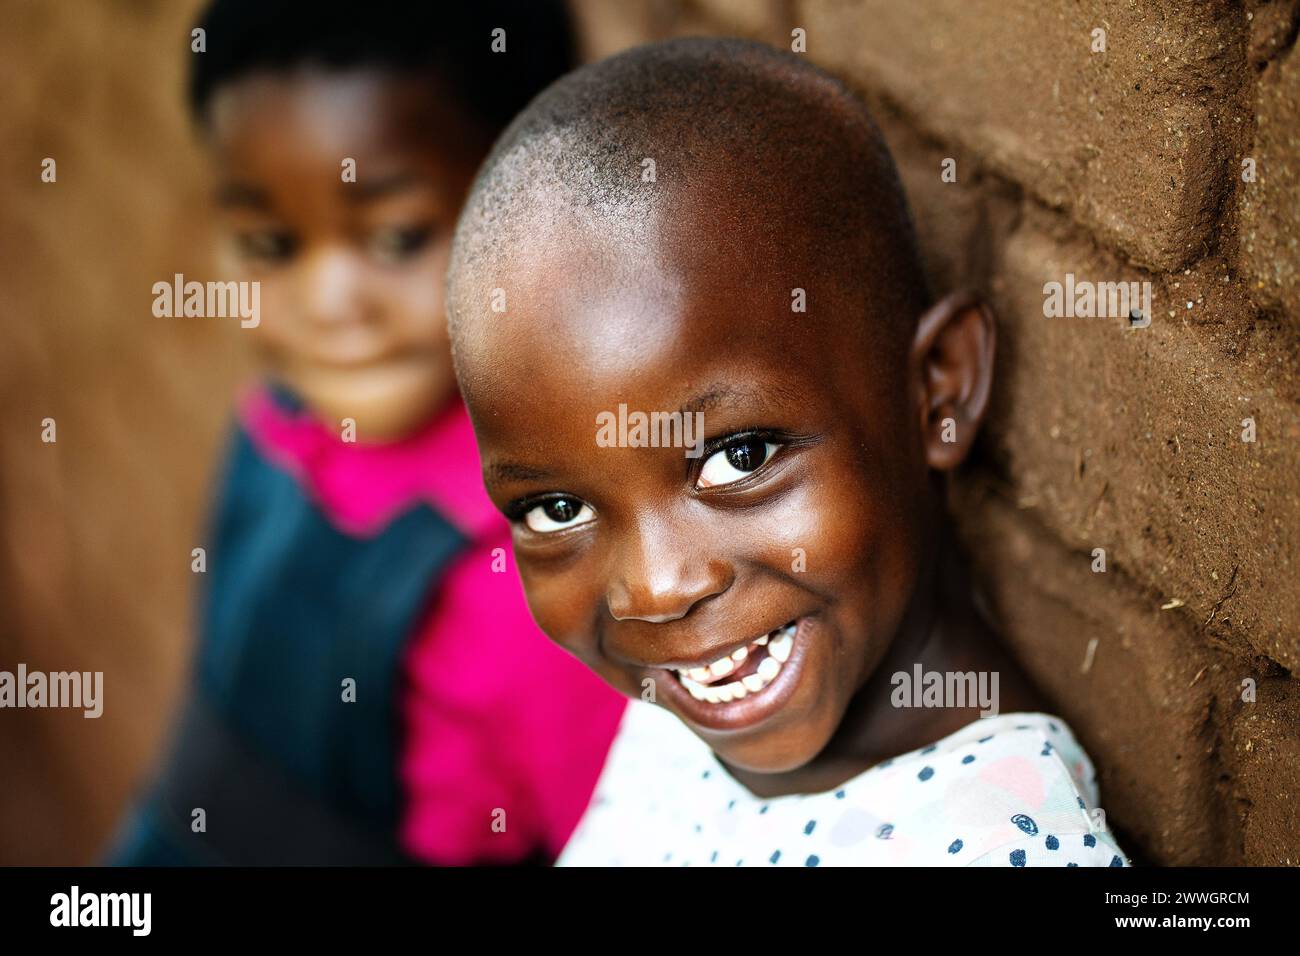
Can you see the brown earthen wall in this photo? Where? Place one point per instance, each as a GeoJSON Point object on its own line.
{"type": "Point", "coordinates": [96, 528]}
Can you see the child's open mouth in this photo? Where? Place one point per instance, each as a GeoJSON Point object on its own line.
{"type": "Point", "coordinates": [749, 685]}
{"type": "Point", "coordinates": [745, 671]}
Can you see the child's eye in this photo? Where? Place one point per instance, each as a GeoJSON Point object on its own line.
{"type": "Point", "coordinates": [267, 245]}
{"type": "Point", "coordinates": [558, 514]}
{"type": "Point", "coordinates": [733, 462]}
{"type": "Point", "coordinates": [394, 245]}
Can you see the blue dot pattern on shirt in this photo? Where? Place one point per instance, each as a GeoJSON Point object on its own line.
{"type": "Point", "coordinates": [1026, 823]}
{"type": "Point", "coordinates": [1020, 804]}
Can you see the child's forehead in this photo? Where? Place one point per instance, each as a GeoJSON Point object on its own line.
{"type": "Point", "coordinates": [569, 305]}
{"type": "Point", "coordinates": [358, 107]}
{"type": "Point", "coordinates": [706, 258]}
{"type": "Point", "coordinates": [716, 227]}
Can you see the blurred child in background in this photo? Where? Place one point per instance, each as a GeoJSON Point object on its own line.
{"type": "Point", "coordinates": [369, 685]}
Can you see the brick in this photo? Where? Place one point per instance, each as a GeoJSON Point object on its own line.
{"type": "Point", "coordinates": [1131, 439]}
{"type": "Point", "coordinates": [959, 224]}
{"type": "Point", "coordinates": [1272, 28]}
{"type": "Point", "coordinates": [757, 19]}
{"type": "Point", "coordinates": [1270, 206]}
{"type": "Point", "coordinates": [1129, 142]}
{"type": "Point", "coordinates": [605, 28]}
{"type": "Point", "coordinates": [1262, 753]}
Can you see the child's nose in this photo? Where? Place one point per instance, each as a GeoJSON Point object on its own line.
{"type": "Point", "coordinates": [330, 285]}
{"type": "Point", "coordinates": [660, 577]}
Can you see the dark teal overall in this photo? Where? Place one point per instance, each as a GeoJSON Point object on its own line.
{"type": "Point", "coordinates": [283, 768]}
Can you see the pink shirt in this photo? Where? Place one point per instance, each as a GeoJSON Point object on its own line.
{"type": "Point", "coordinates": [503, 734]}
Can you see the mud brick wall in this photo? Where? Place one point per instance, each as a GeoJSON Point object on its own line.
{"type": "Point", "coordinates": [1127, 164]}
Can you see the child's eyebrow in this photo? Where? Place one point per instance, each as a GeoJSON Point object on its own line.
{"type": "Point", "coordinates": [716, 396]}
{"type": "Point", "coordinates": [242, 195]}
{"type": "Point", "coordinates": [366, 190]}
{"type": "Point", "coordinates": [774, 393]}
{"type": "Point", "coordinates": [711, 398]}
{"type": "Point", "coordinates": [499, 472]}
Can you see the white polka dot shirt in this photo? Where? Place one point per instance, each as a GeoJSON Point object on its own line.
{"type": "Point", "coordinates": [1010, 790]}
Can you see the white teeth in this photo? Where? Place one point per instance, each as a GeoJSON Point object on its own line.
{"type": "Point", "coordinates": [696, 691]}
{"type": "Point", "coordinates": [703, 682]}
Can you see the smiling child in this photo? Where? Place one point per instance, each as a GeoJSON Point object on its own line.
{"type": "Point", "coordinates": [711, 226]}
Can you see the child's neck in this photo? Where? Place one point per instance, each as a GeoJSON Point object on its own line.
{"type": "Point", "coordinates": [942, 631]}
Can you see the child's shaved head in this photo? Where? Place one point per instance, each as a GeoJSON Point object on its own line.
{"type": "Point", "coordinates": [713, 230]}
{"type": "Point", "coordinates": [636, 145]}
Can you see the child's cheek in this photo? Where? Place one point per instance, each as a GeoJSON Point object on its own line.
{"type": "Point", "coordinates": [821, 532]}
{"type": "Point", "coordinates": [414, 303]}
{"type": "Point", "coordinates": [557, 607]}
{"type": "Point", "coordinates": [274, 335]}
{"type": "Point", "coordinates": [564, 607]}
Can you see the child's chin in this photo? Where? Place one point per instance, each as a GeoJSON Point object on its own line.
{"type": "Point", "coordinates": [773, 751]}
{"type": "Point", "coordinates": [768, 762]}
{"type": "Point", "coordinates": [383, 412]}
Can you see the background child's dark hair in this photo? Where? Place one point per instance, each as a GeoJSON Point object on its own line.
{"type": "Point", "coordinates": [451, 41]}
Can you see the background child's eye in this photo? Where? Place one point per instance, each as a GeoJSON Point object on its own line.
{"type": "Point", "coordinates": [734, 462]}
{"type": "Point", "coordinates": [556, 514]}
{"type": "Point", "coordinates": [266, 245]}
{"type": "Point", "coordinates": [395, 245]}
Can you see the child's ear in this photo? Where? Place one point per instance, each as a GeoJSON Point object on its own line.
{"type": "Point", "coordinates": [953, 352]}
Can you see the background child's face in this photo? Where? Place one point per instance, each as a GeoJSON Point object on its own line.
{"type": "Point", "coordinates": [644, 562]}
{"type": "Point", "coordinates": [351, 273]}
